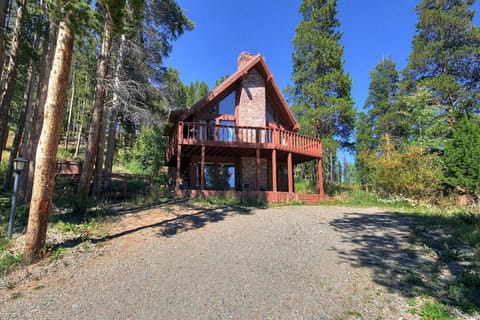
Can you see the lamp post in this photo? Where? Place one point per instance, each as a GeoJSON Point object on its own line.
{"type": "Point", "coordinates": [18, 166]}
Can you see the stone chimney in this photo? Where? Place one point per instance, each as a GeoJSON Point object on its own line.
{"type": "Point", "coordinates": [244, 58]}
{"type": "Point", "coordinates": [252, 100]}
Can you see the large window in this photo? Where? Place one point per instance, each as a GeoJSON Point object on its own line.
{"type": "Point", "coordinates": [227, 133]}
{"type": "Point", "coordinates": [271, 115]}
{"type": "Point", "coordinates": [227, 105]}
{"type": "Point", "coordinates": [220, 176]}
{"type": "Point", "coordinates": [226, 176]}
{"type": "Point", "coordinates": [207, 131]}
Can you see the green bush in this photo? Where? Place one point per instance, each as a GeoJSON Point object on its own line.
{"type": "Point", "coordinates": [409, 172]}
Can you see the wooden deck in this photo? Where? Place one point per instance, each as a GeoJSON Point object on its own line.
{"type": "Point", "coordinates": [241, 141]}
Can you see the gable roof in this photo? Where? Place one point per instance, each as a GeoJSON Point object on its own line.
{"type": "Point", "coordinates": [273, 93]}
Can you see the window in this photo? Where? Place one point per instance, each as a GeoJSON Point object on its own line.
{"type": "Point", "coordinates": [219, 176]}
{"type": "Point", "coordinates": [226, 176]}
{"type": "Point", "coordinates": [207, 132]}
{"type": "Point", "coordinates": [270, 113]}
{"type": "Point", "coordinates": [210, 176]}
{"type": "Point", "coordinates": [227, 105]}
{"type": "Point", "coordinates": [227, 133]}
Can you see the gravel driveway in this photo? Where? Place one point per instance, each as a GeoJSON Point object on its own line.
{"type": "Point", "coordinates": [300, 262]}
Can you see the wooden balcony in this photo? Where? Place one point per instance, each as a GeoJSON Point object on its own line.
{"type": "Point", "coordinates": [225, 140]}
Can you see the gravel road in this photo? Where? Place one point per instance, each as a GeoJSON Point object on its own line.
{"type": "Point", "coordinates": [300, 262]}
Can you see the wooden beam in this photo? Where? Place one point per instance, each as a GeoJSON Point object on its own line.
{"type": "Point", "coordinates": [202, 169]}
{"type": "Point", "coordinates": [178, 179]}
{"type": "Point", "coordinates": [274, 170]}
{"type": "Point", "coordinates": [290, 172]}
{"type": "Point", "coordinates": [320, 177]}
{"type": "Point", "coordinates": [258, 170]}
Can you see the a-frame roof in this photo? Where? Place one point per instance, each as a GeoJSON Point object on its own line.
{"type": "Point", "coordinates": [273, 93]}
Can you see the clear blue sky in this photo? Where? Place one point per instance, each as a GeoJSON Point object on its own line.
{"type": "Point", "coordinates": [371, 29]}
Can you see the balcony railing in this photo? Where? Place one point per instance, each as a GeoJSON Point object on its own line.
{"type": "Point", "coordinates": [196, 133]}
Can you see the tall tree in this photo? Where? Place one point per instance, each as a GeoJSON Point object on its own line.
{"type": "Point", "coordinates": [35, 127]}
{"type": "Point", "coordinates": [72, 17]}
{"type": "Point", "coordinates": [4, 6]}
{"type": "Point", "coordinates": [384, 108]}
{"type": "Point", "coordinates": [45, 167]}
{"type": "Point", "coordinates": [445, 59]}
{"type": "Point", "coordinates": [462, 154]}
{"type": "Point", "coordinates": [111, 20]}
{"type": "Point", "coordinates": [10, 78]}
{"type": "Point", "coordinates": [321, 92]}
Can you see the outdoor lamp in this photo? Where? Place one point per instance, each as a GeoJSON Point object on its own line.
{"type": "Point", "coordinates": [18, 166]}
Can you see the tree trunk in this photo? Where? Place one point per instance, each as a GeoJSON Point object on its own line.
{"type": "Point", "coordinates": [22, 120]}
{"type": "Point", "coordinates": [10, 79]}
{"type": "Point", "coordinates": [26, 181]}
{"type": "Point", "coordinates": [70, 108]}
{"type": "Point", "coordinates": [3, 32]}
{"type": "Point", "coordinates": [82, 119]}
{"type": "Point", "coordinates": [97, 181]}
{"type": "Point", "coordinates": [45, 161]}
{"type": "Point", "coordinates": [97, 115]}
{"type": "Point", "coordinates": [112, 130]}
{"type": "Point", "coordinates": [112, 137]}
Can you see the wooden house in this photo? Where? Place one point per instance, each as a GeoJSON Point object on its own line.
{"type": "Point", "coordinates": [241, 139]}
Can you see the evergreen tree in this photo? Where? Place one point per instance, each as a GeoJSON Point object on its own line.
{"type": "Point", "coordinates": [195, 92]}
{"type": "Point", "coordinates": [384, 108]}
{"type": "Point", "coordinates": [321, 92]}
{"type": "Point", "coordinates": [445, 59]}
{"type": "Point", "coordinates": [462, 154]}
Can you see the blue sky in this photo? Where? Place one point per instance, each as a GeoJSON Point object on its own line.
{"type": "Point", "coordinates": [371, 29]}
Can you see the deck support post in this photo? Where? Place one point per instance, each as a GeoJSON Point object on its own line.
{"type": "Point", "coordinates": [202, 169]}
{"type": "Point", "coordinates": [258, 170]}
{"type": "Point", "coordinates": [274, 170]}
{"type": "Point", "coordinates": [178, 180]}
{"type": "Point", "coordinates": [290, 172]}
{"type": "Point", "coordinates": [320, 177]}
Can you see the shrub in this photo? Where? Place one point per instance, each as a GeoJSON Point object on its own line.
{"type": "Point", "coordinates": [408, 172]}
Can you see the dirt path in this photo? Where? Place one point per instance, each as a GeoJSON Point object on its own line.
{"type": "Point", "coordinates": [180, 262]}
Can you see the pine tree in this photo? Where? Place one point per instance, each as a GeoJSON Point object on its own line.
{"type": "Point", "coordinates": [462, 154]}
{"type": "Point", "coordinates": [445, 59]}
{"type": "Point", "coordinates": [321, 92]}
{"type": "Point", "coordinates": [384, 108]}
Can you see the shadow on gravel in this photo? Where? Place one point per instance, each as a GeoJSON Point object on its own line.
{"type": "Point", "coordinates": [170, 227]}
{"type": "Point", "coordinates": [198, 220]}
{"type": "Point", "coordinates": [410, 255]}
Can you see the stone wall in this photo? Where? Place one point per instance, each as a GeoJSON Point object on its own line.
{"type": "Point", "coordinates": [249, 174]}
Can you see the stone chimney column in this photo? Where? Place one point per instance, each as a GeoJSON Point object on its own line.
{"type": "Point", "coordinates": [244, 58]}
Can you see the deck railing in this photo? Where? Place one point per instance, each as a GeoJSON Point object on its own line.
{"type": "Point", "coordinates": [195, 133]}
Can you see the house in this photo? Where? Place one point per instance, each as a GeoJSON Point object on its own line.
{"type": "Point", "coordinates": [242, 139]}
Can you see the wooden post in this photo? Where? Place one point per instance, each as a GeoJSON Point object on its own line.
{"type": "Point", "coordinates": [258, 170]}
{"type": "Point", "coordinates": [290, 172]}
{"type": "Point", "coordinates": [178, 179]}
{"type": "Point", "coordinates": [274, 170]}
{"type": "Point", "coordinates": [202, 170]}
{"type": "Point", "coordinates": [320, 177]}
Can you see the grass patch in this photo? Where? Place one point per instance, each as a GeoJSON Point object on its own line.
{"type": "Point", "coordinates": [8, 259]}
{"type": "Point", "coordinates": [16, 295]}
{"type": "Point", "coordinates": [84, 229]}
{"type": "Point", "coordinates": [228, 200]}
{"type": "Point", "coordinates": [58, 252]}
{"type": "Point", "coordinates": [435, 311]}
{"type": "Point", "coordinates": [359, 198]}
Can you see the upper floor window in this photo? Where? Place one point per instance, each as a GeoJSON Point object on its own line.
{"type": "Point", "coordinates": [227, 105]}
{"type": "Point", "coordinates": [270, 113]}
